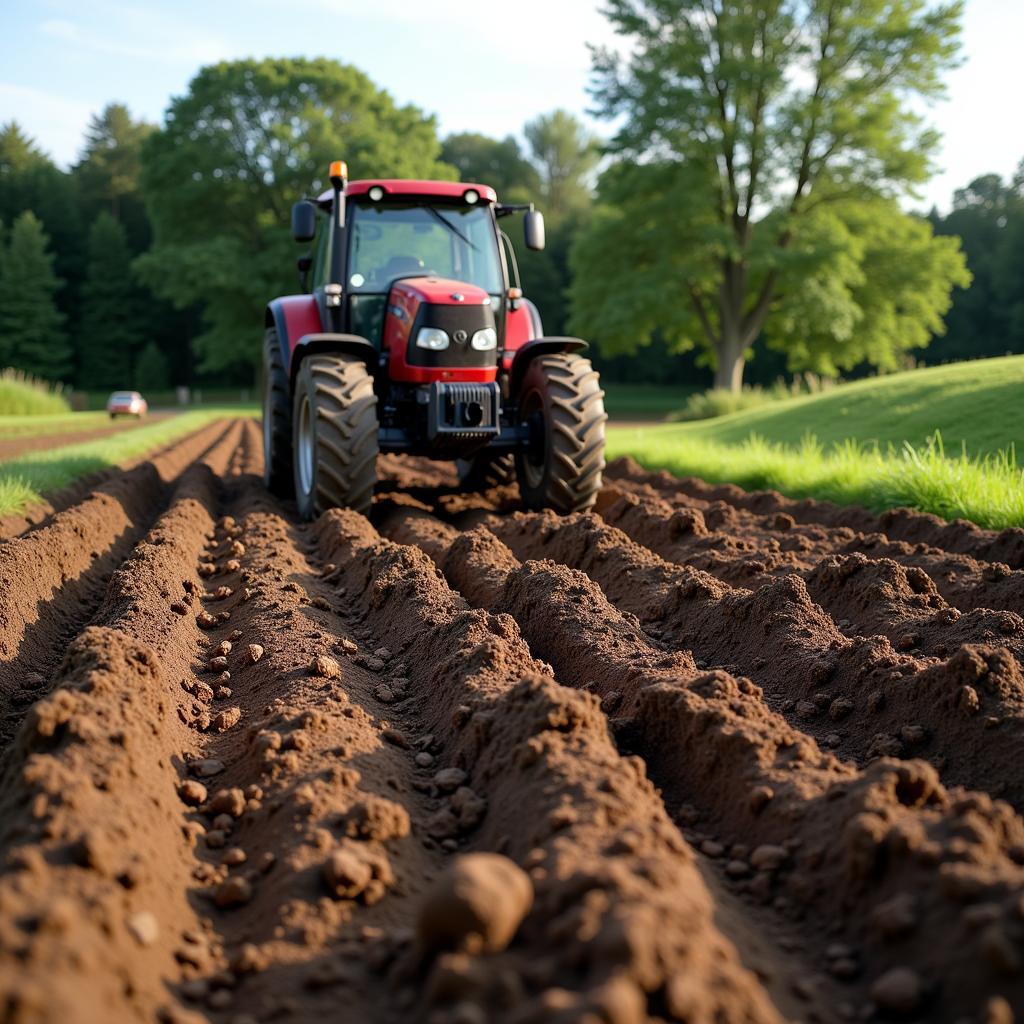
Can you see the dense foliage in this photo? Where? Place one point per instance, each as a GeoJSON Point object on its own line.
{"type": "Point", "coordinates": [756, 141]}
{"type": "Point", "coordinates": [148, 263]}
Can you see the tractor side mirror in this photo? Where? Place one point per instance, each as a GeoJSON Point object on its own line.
{"type": "Point", "coordinates": [303, 221]}
{"type": "Point", "coordinates": [304, 263]}
{"type": "Point", "coordinates": [533, 230]}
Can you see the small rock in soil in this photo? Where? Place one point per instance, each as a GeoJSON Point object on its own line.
{"type": "Point", "coordinates": [226, 719]}
{"type": "Point", "coordinates": [206, 767]}
{"type": "Point", "coordinates": [346, 871]}
{"type": "Point", "coordinates": [395, 737]}
{"type": "Point", "coordinates": [254, 652]}
{"type": "Point", "coordinates": [899, 990]}
{"type": "Point", "coordinates": [477, 905]}
{"type": "Point", "coordinates": [193, 793]}
{"type": "Point", "coordinates": [233, 892]}
{"type": "Point", "coordinates": [230, 801]}
{"type": "Point", "coordinates": [449, 779]}
{"type": "Point", "coordinates": [325, 667]}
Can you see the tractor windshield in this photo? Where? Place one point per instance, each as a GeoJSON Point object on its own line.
{"type": "Point", "coordinates": [392, 240]}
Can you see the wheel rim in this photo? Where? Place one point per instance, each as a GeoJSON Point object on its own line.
{"type": "Point", "coordinates": [305, 446]}
{"type": "Point", "coordinates": [532, 412]}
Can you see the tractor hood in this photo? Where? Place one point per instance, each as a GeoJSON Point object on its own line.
{"type": "Point", "coordinates": [438, 291]}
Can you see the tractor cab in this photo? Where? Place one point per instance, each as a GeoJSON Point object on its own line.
{"type": "Point", "coordinates": [415, 283]}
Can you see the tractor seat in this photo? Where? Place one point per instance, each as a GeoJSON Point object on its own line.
{"type": "Point", "coordinates": [401, 266]}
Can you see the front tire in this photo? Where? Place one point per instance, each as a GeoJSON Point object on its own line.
{"type": "Point", "coordinates": [334, 418]}
{"type": "Point", "coordinates": [562, 400]}
{"type": "Point", "coordinates": [486, 470]}
{"type": "Point", "coordinates": [277, 420]}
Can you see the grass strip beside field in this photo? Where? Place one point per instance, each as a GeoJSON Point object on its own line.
{"type": "Point", "coordinates": [986, 489]}
{"type": "Point", "coordinates": [27, 479]}
{"type": "Point", "coordinates": [59, 423]}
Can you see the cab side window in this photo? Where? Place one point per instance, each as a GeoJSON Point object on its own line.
{"type": "Point", "coordinates": [322, 254]}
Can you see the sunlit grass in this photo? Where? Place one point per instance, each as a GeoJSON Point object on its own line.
{"type": "Point", "coordinates": [27, 479]}
{"type": "Point", "coordinates": [24, 395]}
{"type": "Point", "coordinates": [986, 489]}
{"type": "Point", "coordinates": [52, 423]}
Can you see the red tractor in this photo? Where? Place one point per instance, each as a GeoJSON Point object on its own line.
{"type": "Point", "coordinates": [413, 336]}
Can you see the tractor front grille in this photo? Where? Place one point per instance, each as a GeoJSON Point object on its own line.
{"type": "Point", "coordinates": [458, 411]}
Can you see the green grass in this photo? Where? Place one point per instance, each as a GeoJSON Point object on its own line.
{"type": "Point", "coordinates": [980, 404]}
{"type": "Point", "coordinates": [54, 423]}
{"type": "Point", "coordinates": [643, 401]}
{"type": "Point", "coordinates": [941, 440]}
{"type": "Point", "coordinates": [28, 478]}
{"type": "Point", "coordinates": [22, 395]}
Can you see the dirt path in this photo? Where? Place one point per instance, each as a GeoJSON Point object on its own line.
{"type": "Point", "coordinates": [696, 757]}
{"type": "Point", "coordinates": [12, 448]}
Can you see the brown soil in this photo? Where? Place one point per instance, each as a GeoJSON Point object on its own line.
{"type": "Point", "coordinates": [12, 447]}
{"type": "Point", "coordinates": [699, 756]}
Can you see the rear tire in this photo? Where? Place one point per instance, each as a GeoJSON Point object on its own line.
{"type": "Point", "coordinates": [486, 470]}
{"type": "Point", "coordinates": [277, 420]}
{"type": "Point", "coordinates": [561, 397]}
{"type": "Point", "coordinates": [335, 435]}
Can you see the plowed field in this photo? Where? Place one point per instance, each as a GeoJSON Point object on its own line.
{"type": "Point", "coordinates": [700, 756]}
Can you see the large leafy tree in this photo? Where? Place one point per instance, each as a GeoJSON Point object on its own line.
{"type": "Point", "coordinates": [32, 336]}
{"type": "Point", "coordinates": [111, 327]}
{"type": "Point", "coordinates": [246, 140]}
{"type": "Point", "coordinates": [749, 131]}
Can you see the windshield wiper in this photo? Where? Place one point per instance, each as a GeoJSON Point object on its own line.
{"type": "Point", "coordinates": [451, 227]}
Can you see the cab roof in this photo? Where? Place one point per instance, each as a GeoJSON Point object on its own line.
{"type": "Point", "coordinates": [414, 187]}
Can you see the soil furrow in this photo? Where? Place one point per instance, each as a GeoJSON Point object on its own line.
{"type": "Point", "coordinates": [95, 919]}
{"type": "Point", "coordinates": [863, 595]}
{"type": "Point", "coordinates": [859, 697]}
{"type": "Point", "coordinates": [749, 777]}
{"type": "Point", "coordinates": [289, 771]}
{"type": "Point", "coordinates": [958, 536]}
{"type": "Point", "coordinates": [54, 578]}
{"type": "Point", "coordinates": [560, 802]}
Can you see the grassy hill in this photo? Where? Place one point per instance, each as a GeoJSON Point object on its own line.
{"type": "Point", "coordinates": [980, 403]}
{"type": "Point", "coordinates": [871, 442]}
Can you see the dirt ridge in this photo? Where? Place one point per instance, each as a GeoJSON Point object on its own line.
{"type": "Point", "coordinates": [697, 756]}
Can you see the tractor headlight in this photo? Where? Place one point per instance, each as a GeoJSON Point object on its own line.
{"type": "Point", "coordinates": [471, 196]}
{"type": "Point", "coordinates": [433, 338]}
{"type": "Point", "coordinates": [485, 340]}
{"type": "Point", "coordinates": [376, 193]}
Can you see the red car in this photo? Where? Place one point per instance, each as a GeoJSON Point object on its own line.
{"type": "Point", "coordinates": [127, 403]}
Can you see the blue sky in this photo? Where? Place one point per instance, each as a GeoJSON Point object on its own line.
{"type": "Point", "coordinates": [480, 66]}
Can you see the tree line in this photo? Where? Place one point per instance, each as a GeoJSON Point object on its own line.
{"type": "Point", "coordinates": [747, 209]}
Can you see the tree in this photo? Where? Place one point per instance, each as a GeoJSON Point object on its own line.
{"type": "Point", "coordinates": [111, 327]}
{"type": "Point", "coordinates": [107, 173]}
{"type": "Point", "coordinates": [151, 371]}
{"type": "Point", "coordinates": [247, 140]}
{"type": "Point", "coordinates": [494, 162]}
{"type": "Point", "coordinates": [984, 217]}
{"type": "Point", "coordinates": [565, 154]}
{"type": "Point", "coordinates": [740, 123]}
{"type": "Point", "coordinates": [881, 291]}
{"type": "Point", "coordinates": [29, 180]}
{"type": "Point", "coordinates": [32, 337]}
